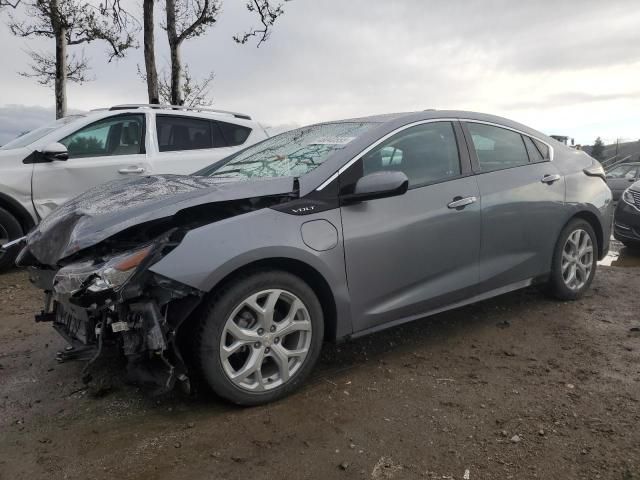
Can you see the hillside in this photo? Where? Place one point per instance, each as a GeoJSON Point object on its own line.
{"type": "Point", "coordinates": [624, 149]}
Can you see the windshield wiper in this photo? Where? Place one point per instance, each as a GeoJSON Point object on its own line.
{"type": "Point", "coordinates": [220, 172]}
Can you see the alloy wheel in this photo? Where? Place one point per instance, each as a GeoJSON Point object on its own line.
{"type": "Point", "coordinates": [577, 259]}
{"type": "Point", "coordinates": [265, 340]}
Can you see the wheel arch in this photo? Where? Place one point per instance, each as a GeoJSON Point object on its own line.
{"type": "Point", "coordinates": [18, 211]}
{"type": "Point", "coordinates": [594, 221]}
{"type": "Point", "coordinates": [303, 270]}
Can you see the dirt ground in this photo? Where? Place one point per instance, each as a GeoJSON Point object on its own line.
{"type": "Point", "coordinates": [516, 387]}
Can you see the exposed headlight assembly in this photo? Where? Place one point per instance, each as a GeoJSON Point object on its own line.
{"type": "Point", "coordinates": [111, 274]}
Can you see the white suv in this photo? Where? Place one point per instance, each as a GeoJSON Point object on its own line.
{"type": "Point", "coordinates": [47, 166]}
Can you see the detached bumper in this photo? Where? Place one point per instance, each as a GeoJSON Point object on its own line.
{"type": "Point", "coordinates": [142, 326]}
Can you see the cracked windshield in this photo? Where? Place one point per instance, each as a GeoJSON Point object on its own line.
{"type": "Point", "coordinates": [292, 153]}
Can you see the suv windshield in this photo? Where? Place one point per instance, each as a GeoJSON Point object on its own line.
{"type": "Point", "coordinates": [289, 154]}
{"type": "Point", "coordinates": [38, 133]}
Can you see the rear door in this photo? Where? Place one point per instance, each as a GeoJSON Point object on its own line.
{"type": "Point", "coordinates": [522, 204]}
{"type": "Point", "coordinates": [187, 143]}
{"type": "Point", "coordinates": [409, 254]}
{"type": "Point", "coordinates": [104, 150]}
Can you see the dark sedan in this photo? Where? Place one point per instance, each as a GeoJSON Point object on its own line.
{"type": "Point", "coordinates": [620, 177]}
{"type": "Point", "coordinates": [627, 217]}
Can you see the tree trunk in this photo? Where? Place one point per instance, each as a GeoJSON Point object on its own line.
{"type": "Point", "coordinates": [149, 52]}
{"type": "Point", "coordinates": [174, 48]}
{"type": "Point", "coordinates": [61, 61]}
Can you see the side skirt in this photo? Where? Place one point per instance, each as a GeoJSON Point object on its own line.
{"type": "Point", "coordinates": [477, 298]}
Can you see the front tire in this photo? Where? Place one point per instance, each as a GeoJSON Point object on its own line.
{"type": "Point", "coordinates": [574, 260]}
{"type": "Point", "coordinates": [259, 337]}
{"type": "Point", "coordinates": [10, 229]}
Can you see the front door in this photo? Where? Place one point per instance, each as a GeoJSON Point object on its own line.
{"type": "Point", "coordinates": [105, 150]}
{"type": "Point", "coordinates": [410, 254]}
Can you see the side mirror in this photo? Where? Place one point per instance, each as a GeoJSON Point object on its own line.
{"type": "Point", "coordinates": [378, 185]}
{"type": "Point", "coordinates": [55, 151]}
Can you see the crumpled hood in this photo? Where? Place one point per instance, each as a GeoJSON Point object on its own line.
{"type": "Point", "coordinates": [108, 209]}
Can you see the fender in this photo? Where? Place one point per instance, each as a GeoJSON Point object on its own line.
{"type": "Point", "coordinates": [18, 210]}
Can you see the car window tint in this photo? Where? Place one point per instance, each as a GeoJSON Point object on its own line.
{"type": "Point", "coordinates": [497, 148]}
{"type": "Point", "coordinates": [426, 153]}
{"type": "Point", "coordinates": [183, 133]}
{"type": "Point", "coordinates": [121, 135]}
{"type": "Point", "coordinates": [234, 134]}
{"type": "Point", "coordinates": [543, 148]}
{"type": "Point", "coordinates": [532, 150]}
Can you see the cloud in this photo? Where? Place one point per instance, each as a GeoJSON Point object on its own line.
{"type": "Point", "coordinates": [18, 119]}
{"type": "Point", "coordinates": [555, 65]}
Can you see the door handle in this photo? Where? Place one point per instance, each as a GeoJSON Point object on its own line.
{"type": "Point", "coordinates": [131, 170]}
{"type": "Point", "coordinates": [549, 179]}
{"type": "Point", "coordinates": [459, 202]}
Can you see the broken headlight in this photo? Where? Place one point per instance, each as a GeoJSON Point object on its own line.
{"type": "Point", "coordinates": [110, 274]}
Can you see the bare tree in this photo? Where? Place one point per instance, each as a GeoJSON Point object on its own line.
{"type": "Point", "coordinates": [43, 68]}
{"type": "Point", "coordinates": [187, 19]}
{"type": "Point", "coordinates": [151, 75]}
{"type": "Point", "coordinates": [268, 13]}
{"type": "Point", "coordinates": [194, 92]}
{"type": "Point", "coordinates": [72, 22]}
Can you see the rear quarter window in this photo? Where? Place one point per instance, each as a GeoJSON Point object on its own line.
{"type": "Point", "coordinates": [233, 134]}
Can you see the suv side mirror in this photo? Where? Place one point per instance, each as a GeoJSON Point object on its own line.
{"type": "Point", "coordinates": [55, 151]}
{"type": "Point", "coordinates": [378, 185]}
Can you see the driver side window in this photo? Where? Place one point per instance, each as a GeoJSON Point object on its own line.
{"type": "Point", "coordinates": [426, 154]}
{"type": "Point", "coordinates": [121, 135]}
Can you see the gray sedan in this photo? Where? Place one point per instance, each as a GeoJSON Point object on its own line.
{"type": "Point", "coordinates": [237, 274]}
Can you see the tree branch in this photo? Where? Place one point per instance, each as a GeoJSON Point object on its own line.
{"type": "Point", "coordinates": [268, 13]}
{"type": "Point", "coordinates": [43, 69]}
{"type": "Point", "coordinates": [206, 14]}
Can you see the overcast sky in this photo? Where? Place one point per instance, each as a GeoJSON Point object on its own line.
{"type": "Point", "coordinates": [567, 67]}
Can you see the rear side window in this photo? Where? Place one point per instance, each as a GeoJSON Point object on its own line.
{"type": "Point", "coordinates": [426, 153]}
{"type": "Point", "coordinates": [497, 148]}
{"type": "Point", "coordinates": [542, 148]}
{"type": "Point", "coordinates": [532, 149]}
{"type": "Point", "coordinates": [233, 134]}
{"type": "Point", "coordinates": [183, 133]}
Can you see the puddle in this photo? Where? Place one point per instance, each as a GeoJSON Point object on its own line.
{"type": "Point", "coordinates": [621, 256]}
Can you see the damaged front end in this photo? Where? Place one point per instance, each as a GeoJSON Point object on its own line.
{"type": "Point", "coordinates": [112, 304]}
{"type": "Point", "coordinates": [92, 256]}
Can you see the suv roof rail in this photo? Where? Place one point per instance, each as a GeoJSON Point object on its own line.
{"type": "Point", "coordinates": [156, 106]}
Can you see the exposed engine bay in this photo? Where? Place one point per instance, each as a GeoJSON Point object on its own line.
{"type": "Point", "coordinates": [103, 299]}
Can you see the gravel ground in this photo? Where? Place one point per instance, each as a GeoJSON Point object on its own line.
{"type": "Point", "coordinates": [516, 387]}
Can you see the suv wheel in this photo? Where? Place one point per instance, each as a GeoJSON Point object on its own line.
{"type": "Point", "coordinates": [10, 229]}
{"type": "Point", "coordinates": [260, 337]}
{"type": "Point", "coordinates": [574, 260]}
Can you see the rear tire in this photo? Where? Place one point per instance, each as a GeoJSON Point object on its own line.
{"type": "Point", "coordinates": [237, 320]}
{"type": "Point", "coordinates": [10, 229]}
{"type": "Point", "coordinates": [574, 260]}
